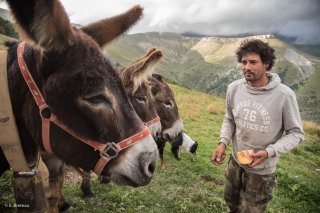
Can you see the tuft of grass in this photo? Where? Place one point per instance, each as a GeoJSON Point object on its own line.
{"type": "Point", "coordinates": [6, 193]}
{"type": "Point", "coordinates": [216, 109]}
{"type": "Point", "coordinates": [311, 128]}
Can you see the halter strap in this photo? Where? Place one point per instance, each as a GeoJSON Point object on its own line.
{"type": "Point", "coordinates": [155, 120]}
{"type": "Point", "coordinates": [107, 151]}
{"type": "Point", "coordinates": [28, 78]}
{"type": "Point", "coordinates": [37, 96]}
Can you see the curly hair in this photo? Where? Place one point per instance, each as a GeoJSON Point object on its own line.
{"type": "Point", "coordinates": [259, 47]}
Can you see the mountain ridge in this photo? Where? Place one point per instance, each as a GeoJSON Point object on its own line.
{"type": "Point", "coordinates": [208, 64]}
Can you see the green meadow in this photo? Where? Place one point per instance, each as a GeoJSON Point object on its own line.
{"type": "Point", "coordinates": [195, 184]}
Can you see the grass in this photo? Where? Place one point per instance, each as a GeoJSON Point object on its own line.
{"type": "Point", "coordinates": [197, 186]}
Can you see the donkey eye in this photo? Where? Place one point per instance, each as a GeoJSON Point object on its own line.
{"type": "Point", "coordinates": [167, 103]}
{"type": "Point", "coordinates": [141, 98]}
{"type": "Point", "coordinates": [97, 99]}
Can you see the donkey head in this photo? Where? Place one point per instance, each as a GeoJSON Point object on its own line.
{"type": "Point", "coordinates": [166, 108]}
{"type": "Point", "coordinates": [134, 78]}
{"type": "Point", "coordinates": [82, 89]}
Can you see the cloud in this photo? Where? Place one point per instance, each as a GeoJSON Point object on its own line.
{"type": "Point", "coordinates": [294, 18]}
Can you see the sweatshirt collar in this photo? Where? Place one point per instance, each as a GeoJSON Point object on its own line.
{"type": "Point", "coordinates": [274, 81]}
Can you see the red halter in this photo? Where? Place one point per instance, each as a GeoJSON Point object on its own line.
{"type": "Point", "coordinates": [155, 120]}
{"type": "Point", "coordinates": [107, 151]}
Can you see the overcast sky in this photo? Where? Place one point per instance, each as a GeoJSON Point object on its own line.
{"type": "Point", "coordinates": [299, 18]}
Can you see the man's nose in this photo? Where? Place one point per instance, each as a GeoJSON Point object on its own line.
{"type": "Point", "coordinates": [247, 66]}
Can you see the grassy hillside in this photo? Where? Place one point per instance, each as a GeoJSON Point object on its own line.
{"type": "Point", "coordinates": [208, 64]}
{"type": "Point", "coordinates": [309, 97]}
{"type": "Point", "coordinates": [197, 186]}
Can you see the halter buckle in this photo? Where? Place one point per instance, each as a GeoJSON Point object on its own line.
{"type": "Point", "coordinates": [45, 112]}
{"type": "Point", "coordinates": [111, 151]}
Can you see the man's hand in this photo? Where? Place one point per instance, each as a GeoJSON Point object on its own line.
{"type": "Point", "coordinates": [258, 157]}
{"type": "Point", "coordinates": [219, 154]}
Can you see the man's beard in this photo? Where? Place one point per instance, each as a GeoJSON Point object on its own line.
{"type": "Point", "coordinates": [250, 76]}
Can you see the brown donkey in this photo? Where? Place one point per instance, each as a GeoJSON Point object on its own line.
{"type": "Point", "coordinates": [83, 98]}
{"type": "Point", "coordinates": [134, 78]}
{"type": "Point", "coordinates": [172, 126]}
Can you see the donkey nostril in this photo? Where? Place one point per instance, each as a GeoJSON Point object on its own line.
{"type": "Point", "coordinates": [152, 167]}
{"type": "Point", "coordinates": [149, 165]}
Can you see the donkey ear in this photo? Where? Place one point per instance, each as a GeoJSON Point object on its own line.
{"type": "Point", "coordinates": [147, 54]}
{"type": "Point", "coordinates": [108, 29]}
{"type": "Point", "coordinates": [44, 22]}
{"type": "Point", "coordinates": [139, 71]}
{"type": "Point", "coordinates": [156, 83]}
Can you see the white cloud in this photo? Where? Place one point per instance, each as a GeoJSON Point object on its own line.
{"type": "Point", "coordinates": [288, 17]}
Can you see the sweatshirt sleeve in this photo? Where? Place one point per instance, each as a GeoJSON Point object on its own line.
{"type": "Point", "coordinates": [292, 127]}
{"type": "Point", "coordinates": [228, 124]}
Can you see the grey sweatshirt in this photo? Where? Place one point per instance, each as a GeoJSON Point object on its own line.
{"type": "Point", "coordinates": [256, 118]}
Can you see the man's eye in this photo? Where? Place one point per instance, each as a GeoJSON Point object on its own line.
{"type": "Point", "coordinates": [97, 99]}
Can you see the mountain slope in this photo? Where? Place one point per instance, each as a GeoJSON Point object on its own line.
{"type": "Point", "coordinates": [208, 64]}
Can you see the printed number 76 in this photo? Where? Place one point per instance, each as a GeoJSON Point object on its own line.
{"type": "Point", "coordinates": [250, 115]}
